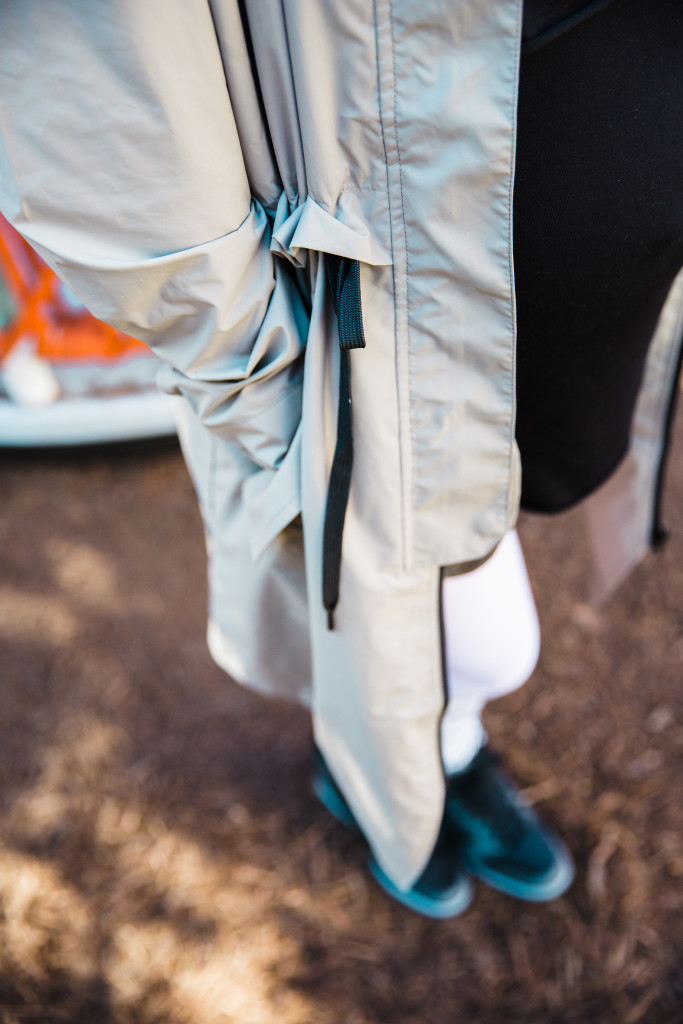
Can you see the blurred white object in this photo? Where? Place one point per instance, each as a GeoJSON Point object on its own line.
{"type": "Point", "coordinates": [65, 377]}
{"type": "Point", "coordinates": [29, 380]}
{"type": "Point", "coordinates": [83, 421]}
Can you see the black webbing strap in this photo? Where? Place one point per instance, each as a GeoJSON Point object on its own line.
{"type": "Point", "coordinates": [344, 279]}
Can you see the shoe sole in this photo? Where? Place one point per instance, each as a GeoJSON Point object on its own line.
{"type": "Point", "coordinates": [535, 892]}
{"type": "Point", "coordinates": [451, 905]}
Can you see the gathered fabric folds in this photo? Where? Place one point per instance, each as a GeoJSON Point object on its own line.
{"type": "Point", "coordinates": [235, 182]}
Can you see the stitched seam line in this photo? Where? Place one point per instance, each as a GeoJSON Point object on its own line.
{"type": "Point", "coordinates": [407, 486]}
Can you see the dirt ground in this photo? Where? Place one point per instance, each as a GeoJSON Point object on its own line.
{"type": "Point", "coordinates": [162, 859]}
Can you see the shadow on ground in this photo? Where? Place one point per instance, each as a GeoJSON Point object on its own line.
{"type": "Point", "coordinates": [163, 859]}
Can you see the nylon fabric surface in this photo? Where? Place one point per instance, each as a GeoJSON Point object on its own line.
{"type": "Point", "coordinates": [185, 166]}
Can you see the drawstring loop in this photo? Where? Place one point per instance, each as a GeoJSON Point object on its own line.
{"type": "Point", "coordinates": [344, 279]}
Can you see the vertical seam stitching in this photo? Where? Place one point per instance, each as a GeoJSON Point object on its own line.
{"type": "Point", "coordinates": [404, 413]}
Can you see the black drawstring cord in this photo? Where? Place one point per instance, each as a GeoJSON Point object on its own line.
{"type": "Point", "coordinates": [344, 278]}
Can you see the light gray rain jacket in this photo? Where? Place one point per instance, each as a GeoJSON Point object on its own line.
{"type": "Point", "coordinates": [190, 168]}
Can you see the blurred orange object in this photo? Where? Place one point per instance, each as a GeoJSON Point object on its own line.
{"type": "Point", "coordinates": [65, 377]}
{"type": "Point", "coordinates": [59, 328]}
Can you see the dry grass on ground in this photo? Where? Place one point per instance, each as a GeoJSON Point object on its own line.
{"type": "Point", "coordinates": [163, 862]}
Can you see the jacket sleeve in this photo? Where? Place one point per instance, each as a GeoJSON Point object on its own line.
{"type": "Point", "coordinates": [121, 164]}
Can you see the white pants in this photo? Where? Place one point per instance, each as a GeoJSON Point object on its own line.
{"type": "Point", "coordinates": [492, 642]}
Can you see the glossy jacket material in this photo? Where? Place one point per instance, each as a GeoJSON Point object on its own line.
{"type": "Point", "coordinates": [185, 165]}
